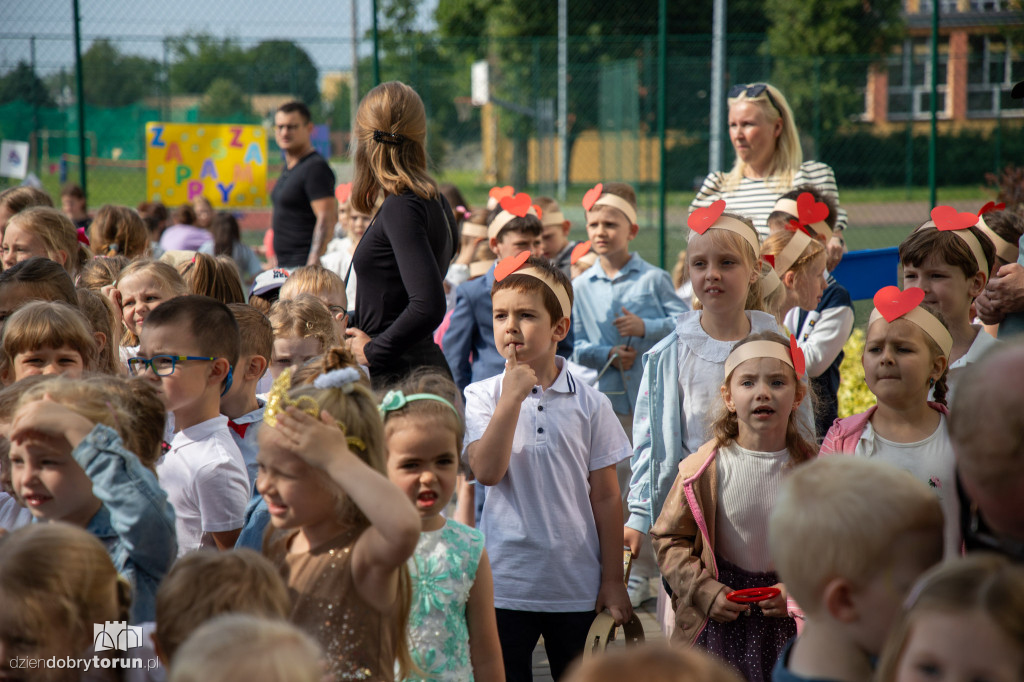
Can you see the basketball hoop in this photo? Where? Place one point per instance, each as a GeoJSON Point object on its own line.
{"type": "Point", "coordinates": [464, 108]}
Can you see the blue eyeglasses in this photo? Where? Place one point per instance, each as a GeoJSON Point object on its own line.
{"type": "Point", "coordinates": [162, 365]}
{"type": "Point", "coordinates": [754, 90]}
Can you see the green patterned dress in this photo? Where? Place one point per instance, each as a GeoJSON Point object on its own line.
{"type": "Point", "coordinates": [443, 570]}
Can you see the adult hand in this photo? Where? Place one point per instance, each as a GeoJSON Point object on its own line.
{"type": "Point", "coordinates": [1005, 291]}
{"type": "Point", "coordinates": [627, 356]}
{"type": "Point", "coordinates": [519, 379]}
{"type": "Point", "coordinates": [987, 311]}
{"type": "Point", "coordinates": [356, 342]}
{"type": "Point", "coordinates": [629, 324]}
{"type": "Point", "coordinates": [834, 251]}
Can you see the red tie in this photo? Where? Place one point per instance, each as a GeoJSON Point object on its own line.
{"type": "Point", "coordinates": [238, 428]}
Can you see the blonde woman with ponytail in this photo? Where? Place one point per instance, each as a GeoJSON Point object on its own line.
{"type": "Point", "coordinates": [404, 254]}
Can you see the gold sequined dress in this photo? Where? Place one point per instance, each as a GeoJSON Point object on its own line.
{"type": "Point", "coordinates": [326, 605]}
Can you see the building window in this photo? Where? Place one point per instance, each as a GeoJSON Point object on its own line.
{"type": "Point", "coordinates": [993, 67]}
{"type": "Point", "coordinates": [910, 80]}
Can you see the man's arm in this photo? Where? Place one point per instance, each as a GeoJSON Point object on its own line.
{"type": "Point", "coordinates": [326, 210]}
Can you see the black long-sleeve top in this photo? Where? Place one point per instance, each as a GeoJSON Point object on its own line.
{"type": "Point", "coordinates": [400, 265]}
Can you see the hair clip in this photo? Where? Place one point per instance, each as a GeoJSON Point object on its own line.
{"type": "Point", "coordinates": [396, 400]}
{"type": "Point", "coordinates": [345, 379]}
{"type": "Point", "coordinates": [388, 138]}
{"type": "Point", "coordinates": [461, 211]}
{"type": "Point", "coordinates": [82, 237]}
{"type": "Point", "coordinates": [278, 401]}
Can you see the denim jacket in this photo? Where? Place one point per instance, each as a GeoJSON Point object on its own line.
{"type": "Point", "coordinates": [135, 522]}
{"type": "Point", "coordinates": [660, 433]}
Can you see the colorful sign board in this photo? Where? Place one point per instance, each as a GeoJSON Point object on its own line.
{"type": "Point", "coordinates": [225, 163]}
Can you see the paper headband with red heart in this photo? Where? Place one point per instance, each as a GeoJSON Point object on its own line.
{"type": "Point", "coordinates": [892, 304]}
{"type": "Point", "coordinates": [704, 219]}
{"type": "Point", "coordinates": [808, 214]}
{"type": "Point", "coordinates": [512, 207]}
{"type": "Point", "coordinates": [1008, 251]}
{"type": "Point", "coordinates": [948, 219]}
{"type": "Point", "coordinates": [791, 253]}
{"type": "Point", "coordinates": [342, 192]}
{"type": "Point", "coordinates": [770, 278]}
{"type": "Point", "coordinates": [517, 265]}
{"type": "Point", "coordinates": [596, 196]}
{"type": "Point", "coordinates": [792, 356]}
{"type": "Point", "coordinates": [582, 253]}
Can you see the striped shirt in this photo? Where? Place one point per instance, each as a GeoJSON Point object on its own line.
{"type": "Point", "coordinates": [756, 198]}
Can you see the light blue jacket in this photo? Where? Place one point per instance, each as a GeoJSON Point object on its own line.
{"type": "Point", "coordinates": [661, 438]}
{"type": "Point", "coordinates": [641, 288]}
{"type": "Point", "coordinates": [135, 522]}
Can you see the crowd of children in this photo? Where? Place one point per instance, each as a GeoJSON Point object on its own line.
{"type": "Point", "coordinates": [163, 416]}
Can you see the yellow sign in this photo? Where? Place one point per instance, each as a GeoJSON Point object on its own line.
{"type": "Point", "coordinates": [225, 163]}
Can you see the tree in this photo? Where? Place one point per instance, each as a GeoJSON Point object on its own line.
{"type": "Point", "coordinates": [199, 59]}
{"type": "Point", "coordinates": [224, 102]}
{"type": "Point", "coordinates": [281, 66]}
{"type": "Point", "coordinates": [822, 50]}
{"type": "Point", "coordinates": [112, 79]}
{"type": "Point", "coordinates": [21, 83]}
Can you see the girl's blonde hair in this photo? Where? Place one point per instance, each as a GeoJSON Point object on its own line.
{"type": "Point", "coordinates": [103, 318]}
{"type": "Point", "coordinates": [430, 382]}
{"type": "Point", "coordinates": [357, 410]}
{"type": "Point", "coordinates": [751, 259]}
{"type": "Point", "coordinates": [216, 277]}
{"type": "Point", "coordinates": [56, 581]}
{"type": "Point", "coordinates": [800, 444]}
{"type": "Point", "coordinates": [101, 271]}
{"type": "Point", "coordinates": [118, 230]}
{"type": "Point", "coordinates": [238, 646]}
{"type": "Point", "coordinates": [941, 386]}
{"type": "Point", "coordinates": [681, 270]}
{"type": "Point", "coordinates": [164, 274]}
{"type": "Point", "coordinates": [57, 233]}
{"type": "Point", "coordinates": [391, 128]}
{"type": "Point", "coordinates": [47, 324]}
{"type": "Point", "coordinates": [312, 279]}
{"type": "Point", "coordinates": [302, 317]}
{"type": "Point", "coordinates": [140, 414]}
{"type": "Point", "coordinates": [988, 583]}
{"type": "Point", "coordinates": [788, 154]}
{"type": "Point", "coordinates": [775, 244]}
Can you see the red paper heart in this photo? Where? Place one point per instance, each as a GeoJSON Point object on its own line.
{"type": "Point", "coordinates": [703, 218]}
{"type": "Point", "coordinates": [342, 192]}
{"type": "Point", "coordinates": [499, 193]}
{"type": "Point", "coordinates": [893, 303]}
{"type": "Point", "coordinates": [769, 259]}
{"type": "Point", "coordinates": [811, 211]}
{"type": "Point", "coordinates": [797, 226]}
{"type": "Point", "coordinates": [539, 210]}
{"type": "Point", "coordinates": [592, 195]}
{"type": "Point", "coordinates": [518, 205]}
{"type": "Point", "coordinates": [992, 206]}
{"type": "Point", "coordinates": [510, 265]}
{"type": "Point", "coordinates": [799, 362]}
{"type": "Point", "coordinates": [948, 218]}
{"type": "Point", "coordinates": [579, 251]}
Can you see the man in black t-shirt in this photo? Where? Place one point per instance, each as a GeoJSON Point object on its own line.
{"type": "Point", "coordinates": [305, 209]}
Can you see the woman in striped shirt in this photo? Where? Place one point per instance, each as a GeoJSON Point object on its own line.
{"type": "Point", "coordinates": [769, 162]}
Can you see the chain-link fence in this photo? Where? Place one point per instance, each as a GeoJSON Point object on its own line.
{"type": "Point", "coordinates": [866, 116]}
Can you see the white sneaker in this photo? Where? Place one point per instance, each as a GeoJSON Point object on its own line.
{"type": "Point", "coordinates": [640, 590]}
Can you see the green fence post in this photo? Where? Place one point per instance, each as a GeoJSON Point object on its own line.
{"type": "Point", "coordinates": [376, 47]}
{"type": "Point", "coordinates": [662, 78]}
{"type": "Point", "coordinates": [81, 100]}
{"type": "Point", "coordinates": [908, 160]}
{"type": "Point", "coordinates": [933, 137]}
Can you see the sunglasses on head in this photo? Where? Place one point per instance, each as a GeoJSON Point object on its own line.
{"type": "Point", "coordinates": [752, 91]}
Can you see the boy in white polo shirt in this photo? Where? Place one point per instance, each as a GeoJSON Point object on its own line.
{"type": "Point", "coordinates": [547, 446]}
{"type": "Point", "coordinates": [188, 352]}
